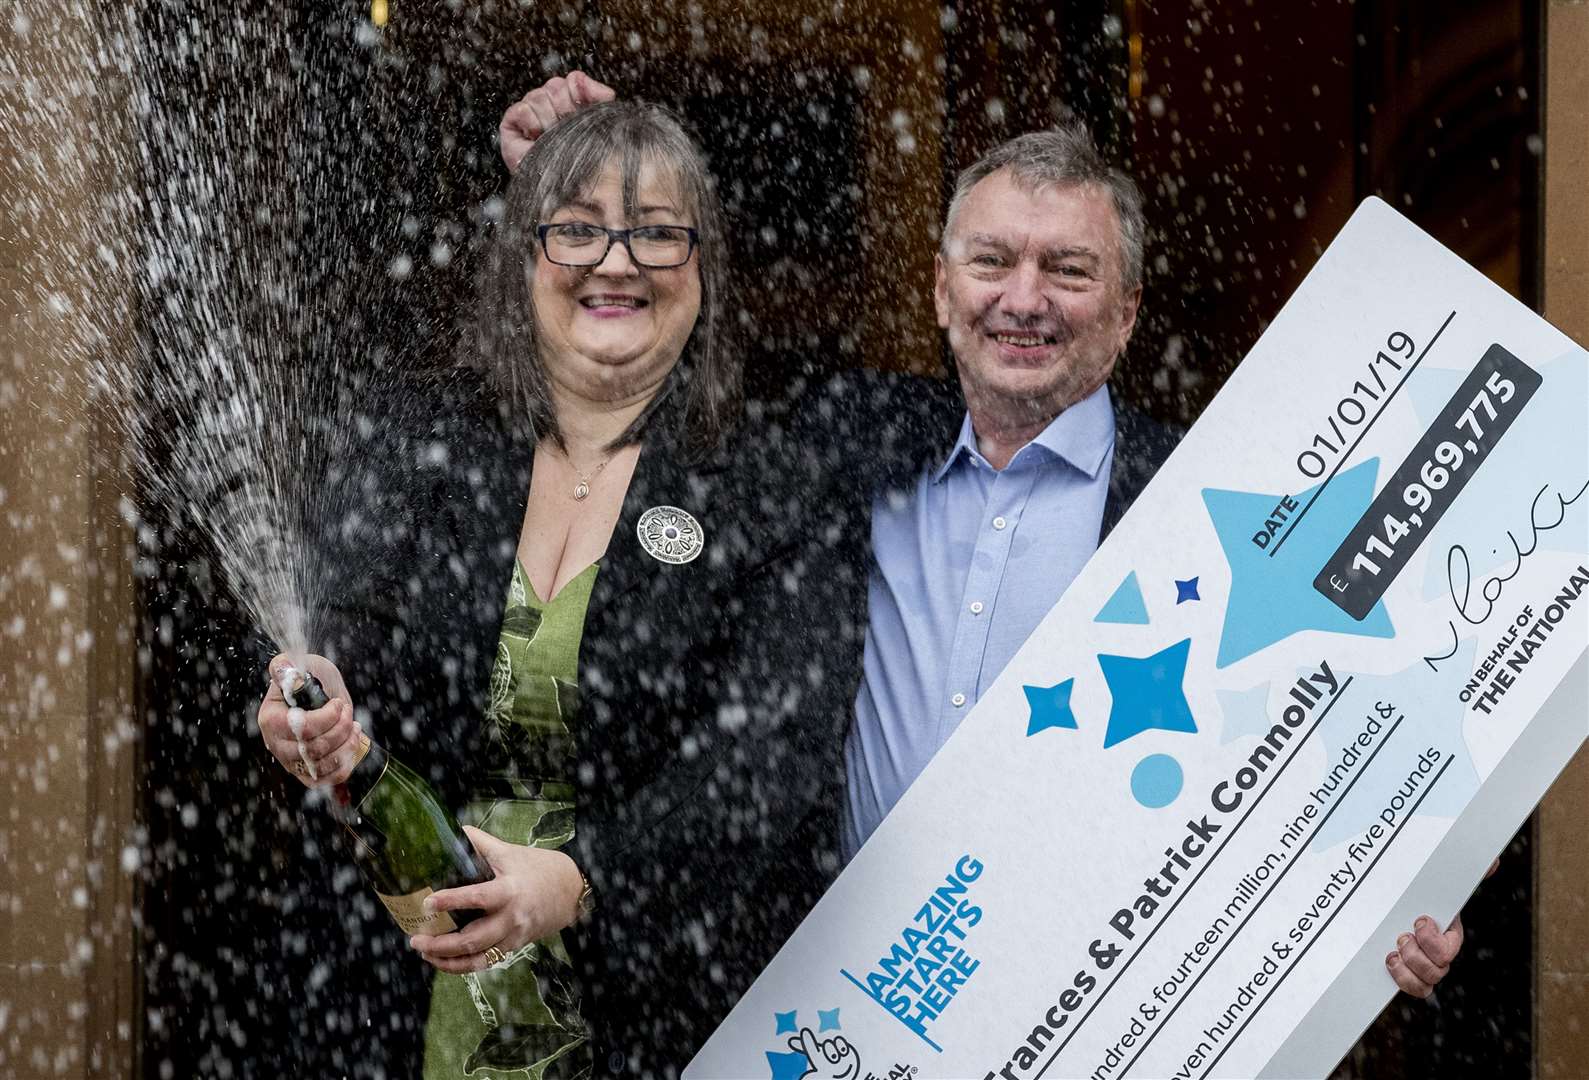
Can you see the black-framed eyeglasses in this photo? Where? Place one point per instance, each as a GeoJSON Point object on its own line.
{"type": "Point", "coordinates": [579, 243]}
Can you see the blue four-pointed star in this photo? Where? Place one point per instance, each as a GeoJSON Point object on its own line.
{"type": "Point", "coordinates": [1246, 712]}
{"type": "Point", "coordinates": [788, 1066]}
{"type": "Point", "coordinates": [828, 1020]}
{"type": "Point", "coordinates": [1186, 590]}
{"type": "Point", "coordinates": [1147, 693]}
{"type": "Point", "coordinates": [787, 1021]}
{"type": "Point", "coordinates": [1272, 598]}
{"type": "Point", "coordinates": [1050, 707]}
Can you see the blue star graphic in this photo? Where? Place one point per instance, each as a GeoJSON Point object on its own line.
{"type": "Point", "coordinates": [786, 1066]}
{"type": "Point", "coordinates": [828, 1019]}
{"type": "Point", "coordinates": [1433, 718]}
{"type": "Point", "coordinates": [1246, 712]}
{"type": "Point", "coordinates": [786, 1022]}
{"type": "Point", "coordinates": [1147, 693]}
{"type": "Point", "coordinates": [1186, 590]}
{"type": "Point", "coordinates": [1050, 707]}
{"type": "Point", "coordinates": [1273, 598]}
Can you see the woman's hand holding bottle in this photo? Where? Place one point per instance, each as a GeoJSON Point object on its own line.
{"type": "Point", "coordinates": [318, 746]}
{"type": "Point", "coordinates": [535, 894]}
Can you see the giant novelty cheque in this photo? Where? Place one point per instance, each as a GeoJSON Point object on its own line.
{"type": "Point", "coordinates": [1307, 689]}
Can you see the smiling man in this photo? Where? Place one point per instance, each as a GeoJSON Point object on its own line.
{"type": "Point", "coordinates": [1038, 281]}
{"type": "Point", "coordinates": [1039, 275]}
{"type": "Point", "coordinates": [1038, 294]}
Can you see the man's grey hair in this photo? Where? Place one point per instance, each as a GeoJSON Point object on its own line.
{"type": "Point", "coordinates": [1064, 156]}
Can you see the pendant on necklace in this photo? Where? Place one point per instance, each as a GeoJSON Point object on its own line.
{"type": "Point", "coordinates": [581, 490]}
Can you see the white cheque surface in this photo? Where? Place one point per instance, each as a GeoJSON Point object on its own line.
{"type": "Point", "coordinates": [1306, 690]}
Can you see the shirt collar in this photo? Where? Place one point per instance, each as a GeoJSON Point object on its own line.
{"type": "Point", "coordinates": [1081, 436]}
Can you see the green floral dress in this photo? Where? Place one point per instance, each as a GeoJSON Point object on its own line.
{"type": "Point", "coordinates": [520, 1020]}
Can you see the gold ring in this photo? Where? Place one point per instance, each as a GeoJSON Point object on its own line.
{"type": "Point", "coordinates": [494, 956]}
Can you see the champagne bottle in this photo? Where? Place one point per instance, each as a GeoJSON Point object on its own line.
{"type": "Point", "coordinates": [405, 840]}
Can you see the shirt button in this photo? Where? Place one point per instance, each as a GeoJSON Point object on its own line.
{"type": "Point", "coordinates": [959, 700]}
{"type": "Point", "coordinates": [999, 523]}
{"type": "Point", "coordinates": [976, 607]}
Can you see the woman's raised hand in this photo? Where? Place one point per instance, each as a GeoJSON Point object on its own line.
{"type": "Point", "coordinates": [532, 115]}
{"type": "Point", "coordinates": [534, 895]}
{"type": "Point", "coordinates": [318, 746]}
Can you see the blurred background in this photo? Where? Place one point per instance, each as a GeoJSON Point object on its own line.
{"type": "Point", "coordinates": [156, 869]}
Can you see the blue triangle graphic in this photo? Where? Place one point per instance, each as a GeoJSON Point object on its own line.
{"type": "Point", "coordinates": [1126, 605]}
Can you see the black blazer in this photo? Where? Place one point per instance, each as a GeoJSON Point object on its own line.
{"type": "Point", "coordinates": [1141, 446]}
{"type": "Point", "coordinates": [715, 694]}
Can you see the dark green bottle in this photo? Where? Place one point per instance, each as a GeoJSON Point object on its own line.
{"type": "Point", "coordinates": [405, 840]}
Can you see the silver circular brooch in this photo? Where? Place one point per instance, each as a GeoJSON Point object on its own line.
{"type": "Point", "coordinates": [670, 535]}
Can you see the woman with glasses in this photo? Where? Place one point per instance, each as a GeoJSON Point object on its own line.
{"type": "Point", "coordinates": [649, 618]}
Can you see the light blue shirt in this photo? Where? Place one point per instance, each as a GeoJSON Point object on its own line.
{"type": "Point", "coordinates": [964, 568]}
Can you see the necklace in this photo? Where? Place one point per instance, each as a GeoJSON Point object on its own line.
{"type": "Point", "coordinates": [582, 487]}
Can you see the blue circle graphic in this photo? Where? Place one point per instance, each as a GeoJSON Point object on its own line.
{"type": "Point", "coordinates": [1156, 781]}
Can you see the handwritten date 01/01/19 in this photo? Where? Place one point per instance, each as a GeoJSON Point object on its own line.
{"type": "Point", "coordinates": [1443, 464]}
{"type": "Point", "coordinates": [1351, 410]}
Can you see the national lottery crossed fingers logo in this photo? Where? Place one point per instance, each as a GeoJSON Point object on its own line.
{"type": "Point", "coordinates": [811, 1056]}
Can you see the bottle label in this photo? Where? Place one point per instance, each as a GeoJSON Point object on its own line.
{"type": "Point", "coordinates": [410, 915]}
